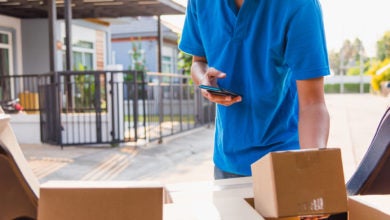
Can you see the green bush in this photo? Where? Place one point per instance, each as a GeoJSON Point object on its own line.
{"type": "Point", "coordinates": [348, 88]}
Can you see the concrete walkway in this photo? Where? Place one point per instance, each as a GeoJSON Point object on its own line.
{"type": "Point", "coordinates": [188, 156]}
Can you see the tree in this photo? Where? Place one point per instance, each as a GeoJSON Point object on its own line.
{"type": "Point", "coordinates": [357, 50]}
{"type": "Point", "coordinates": [137, 60]}
{"type": "Point", "coordinates": [347, 60]}
{"type": "Point", "coordinates": [334, 62]}
{"type": "Point", "coordinates": [137, 57]}
{"type": "Point", "coordinates": [383, 47]}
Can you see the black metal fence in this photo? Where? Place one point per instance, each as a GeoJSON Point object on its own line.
{"type": "Point", "coordinates": [108, 107]}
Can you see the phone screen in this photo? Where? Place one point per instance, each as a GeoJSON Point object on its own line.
{"type": "Point", "coordinates": [218, 91]}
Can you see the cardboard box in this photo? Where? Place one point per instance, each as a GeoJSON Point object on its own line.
{"type": "Point", "coordinates": [81, 200]}
{"type": "Point", "coordinates": [299, 183]}
{"type": "Point", "coordinates": [366, 207]}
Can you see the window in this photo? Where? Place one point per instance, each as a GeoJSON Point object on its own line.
{"type": "Point", "coordinates": [169, 59]}
{"type": "Point", "coordinates": [6, 64]}
{"type": "Point", "coordinates": [5, 50]}
{"type": "Point", "coordinates": [83, 56]}
{"type": "Point", "coordinates": [167, 64]}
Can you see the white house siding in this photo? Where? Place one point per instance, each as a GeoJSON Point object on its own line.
{"type": "Point", "coordinates": [14, 24]}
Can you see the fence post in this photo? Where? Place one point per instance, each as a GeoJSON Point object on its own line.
{"type": "Point", "coordinates": [160, 107]}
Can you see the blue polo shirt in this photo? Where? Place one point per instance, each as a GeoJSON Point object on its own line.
{"type": "Point", "coordinates": [263, 48]}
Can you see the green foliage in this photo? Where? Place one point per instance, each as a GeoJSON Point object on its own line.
{"type": "Point", "coordinates": [383, 47]}
{"type": "Point", "coordinates": [85, 91]}
{"type": "Point", "coordinates": [138, 62]}
{"type": "Point", "coordinates": [137, 57]}
{"type": "Point", "coordinates": [184, 62]}
{"type": "Point", "coordinates": [85, 88]}
{"type": "Point", "coordinates": [355, 70]}
{"type": "Point", "coordinates": [348, 88]}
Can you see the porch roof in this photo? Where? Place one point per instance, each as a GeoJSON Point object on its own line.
{"type": "Point", "coordinates": [91, 8]}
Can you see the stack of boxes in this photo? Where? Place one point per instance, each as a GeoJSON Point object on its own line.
{"type": "Point", "coordinates": [286, 185]}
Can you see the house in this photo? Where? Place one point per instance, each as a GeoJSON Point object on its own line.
{"type": "Point", "coordinates": [140, 35]}
{"type": "Point", "coordinates": [25, 47]}
{"type": "Point", "coordinates": [43, 43]}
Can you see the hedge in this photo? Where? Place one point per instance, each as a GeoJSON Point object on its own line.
{"type": "Point", "coordinates": [348, 88]}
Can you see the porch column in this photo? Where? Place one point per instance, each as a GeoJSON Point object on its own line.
{"type": "Point", "coordinates": [68, 34]}
{"type": "Point", "coordinates": [52, 11]}
{"type": "Point", "coordinates": [159, 44]}
{"type": "Point", "coordinates": [159, 69]}
{"type": "Point", "coordinates": [69, 49]}
{"type": "Point", "coordinates": [56, 119]}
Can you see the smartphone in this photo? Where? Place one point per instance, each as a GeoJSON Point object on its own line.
{"type": "Point", "coordinates": [218, 91]}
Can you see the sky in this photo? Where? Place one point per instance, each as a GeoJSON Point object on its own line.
{"type": "Point", "coordinates": [367, 20]}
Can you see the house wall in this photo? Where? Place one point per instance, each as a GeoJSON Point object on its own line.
{"type": "Point", "coordinates": [35, 41]}
{"type": "Point", "coordinates": [121, 51]}
{"type": "Point", "coordinates": [96, 32]}
{"type": "Point", "coordinates": [14, 25]}
{"type": "Point", "coordinates": [172, 51]}
{"type": "Point", "coordinates": [122, 47]}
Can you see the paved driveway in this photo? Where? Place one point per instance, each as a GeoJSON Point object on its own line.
{"type": "Point", "coordinates": [188, 156]}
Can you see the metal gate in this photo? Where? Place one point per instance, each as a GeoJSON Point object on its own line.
{"type": "Point", "coordinates": [90, 107]}
{"type": "Point", "coordinates": [110, 107]}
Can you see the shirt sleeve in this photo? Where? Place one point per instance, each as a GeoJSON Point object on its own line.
{"type": "Point", "coordinates": [306, 52]}
{"type": "Point", "coordinates": [191, 41]}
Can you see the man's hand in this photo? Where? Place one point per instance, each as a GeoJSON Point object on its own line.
{"type": "Point", "coordinates": [203, 75]}
{"type": "Point", "coordinates": [210, 78]}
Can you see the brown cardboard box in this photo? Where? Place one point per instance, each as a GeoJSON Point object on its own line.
{"type": "Point", "coordinates": [82, 200]}
{"type": "Point", "coordinates": [367, 207]}
{"type": "Point", "coordinates": [299, 183]}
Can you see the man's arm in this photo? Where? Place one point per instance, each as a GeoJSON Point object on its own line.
{"type": "Point", "coordinates": [313, 114]}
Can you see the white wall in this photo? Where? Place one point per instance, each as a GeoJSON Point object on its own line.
{"type": "Point", "coordinates": [26, 128]}
{"type": "Point", "coordinates": [347, 79]}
